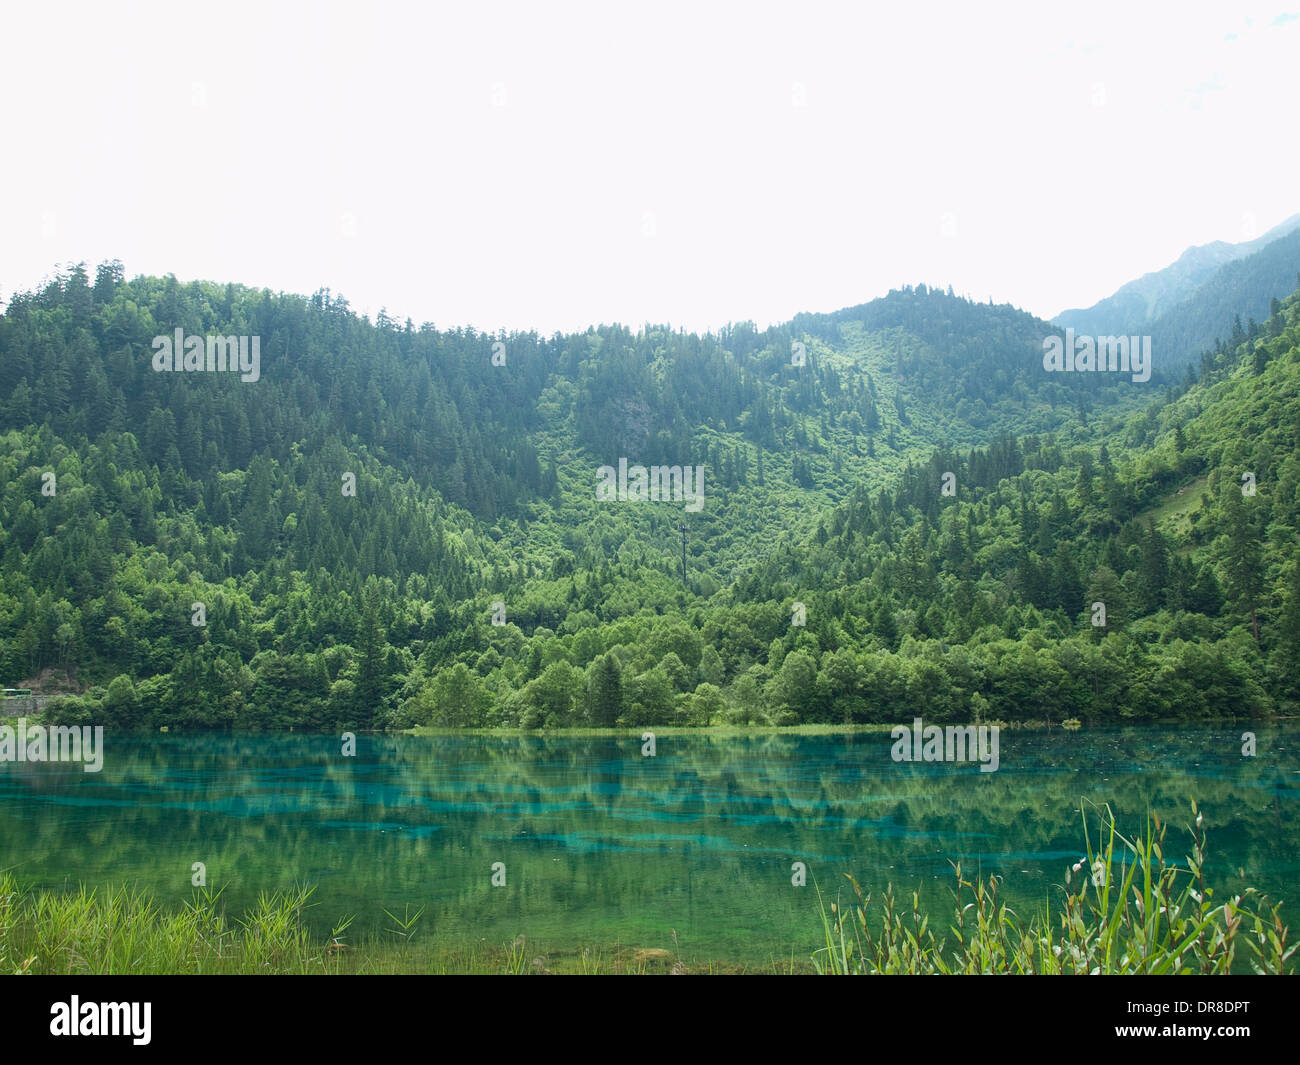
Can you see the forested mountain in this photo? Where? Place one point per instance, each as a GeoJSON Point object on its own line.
{"type": "Point", "coordinates": [1196, 303]}
{"type": "Point", "coordinates": [1184, 528]}
{"type": "Point", "coordinates": [1247, 290]}
{"type": "Point", "coordinates": [396, 525]}
{"type": "Point", "coordinates": [1155, 294]}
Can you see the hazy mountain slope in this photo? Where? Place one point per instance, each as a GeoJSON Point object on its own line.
{"type": "Point", "coordinates": [1175, 292]}
{"type": "Point", "coordinates": [1223, 306]}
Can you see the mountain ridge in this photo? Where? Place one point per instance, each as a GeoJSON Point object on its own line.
{"type": "Point", "coordinates": [471, 576]}
{"type": "Point", "coordinates": [1140, 302]}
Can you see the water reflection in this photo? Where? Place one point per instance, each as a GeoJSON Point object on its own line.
{"type": "Point", "coordinates": [601, 844]}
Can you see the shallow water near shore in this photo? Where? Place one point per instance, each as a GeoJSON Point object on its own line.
{"type": "Point", "coordinates": [603, 845]}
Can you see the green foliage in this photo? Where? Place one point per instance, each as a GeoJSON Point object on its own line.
{"type": "Point", "coordinates": [1132, 912]}
{"type": "Point", "coordinates": [604, 703]}
{"type": "Point", "coordinates": [475, 485]}
{"type": "Point", "coordinates": [453, 698]}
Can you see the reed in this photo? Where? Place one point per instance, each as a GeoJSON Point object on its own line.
{"type": "Point", "coordinates": [1124, 909]}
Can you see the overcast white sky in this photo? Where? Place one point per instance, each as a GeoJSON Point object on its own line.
{"type": "Point", "coordinates": [551, 166]}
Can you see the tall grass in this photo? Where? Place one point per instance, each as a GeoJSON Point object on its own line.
{"type": "Point", "coordinates": [1124, 908]}
{"type": "Point", "coordinates": [121, 931]}
{"type": "Point", "coordinates": [1130, 910]}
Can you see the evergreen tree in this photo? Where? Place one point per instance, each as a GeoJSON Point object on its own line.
{"type": "Point", "coordinates": [604, 693]}
{"type": "Point", "coordinates": [1243, 562]}
{"type": "Point", "coordinates": [370, 672]}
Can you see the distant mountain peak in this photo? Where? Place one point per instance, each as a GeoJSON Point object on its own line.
{"type": "Point", "coordinates": [1161, 295]}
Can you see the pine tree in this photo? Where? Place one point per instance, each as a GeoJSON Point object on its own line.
{"type": "Point", "coordinates": [605, 693]}
{"type": "Point", "coordinates": [1153, 570]}
{"type": "Point", "coordinates": [1244, 562]}
{"type": "Point", "coordinates": [370, 651]}
{"type": "Point", "coordinates": [883, 625]}
{"type": "Point", "coordinates": [1289, 623]}
{"type": "Point", "coordinates": [1083, 486]}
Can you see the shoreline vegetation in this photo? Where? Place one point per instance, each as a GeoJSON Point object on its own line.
{"type": "Point", "coordinates": [816, 729]}
{"type": "Point", "coordinates": [1124, 909]}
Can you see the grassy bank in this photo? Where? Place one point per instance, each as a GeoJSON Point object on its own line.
{"type": "Point", "coordinates": [1126, 908]}
{"type": "Point", "coordinates": [85, 932]}
{"type": "Point", "coordinates": [822, 729]}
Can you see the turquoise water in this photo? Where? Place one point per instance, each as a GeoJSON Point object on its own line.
{"type": "Point", "coordinates": [602, 845]}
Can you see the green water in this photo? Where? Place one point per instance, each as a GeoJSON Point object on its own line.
{"type": "Point", "coordinates": [603, 845]}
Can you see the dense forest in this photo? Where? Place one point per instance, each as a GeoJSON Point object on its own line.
{"type": "Point", "coordinates": [396, 525]}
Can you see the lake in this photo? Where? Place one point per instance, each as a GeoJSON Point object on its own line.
{"type": "Point", "coordinates": [601, 844]}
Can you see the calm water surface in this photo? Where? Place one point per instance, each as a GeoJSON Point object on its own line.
{"type": "Point", "coordinates": [602, 845]}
